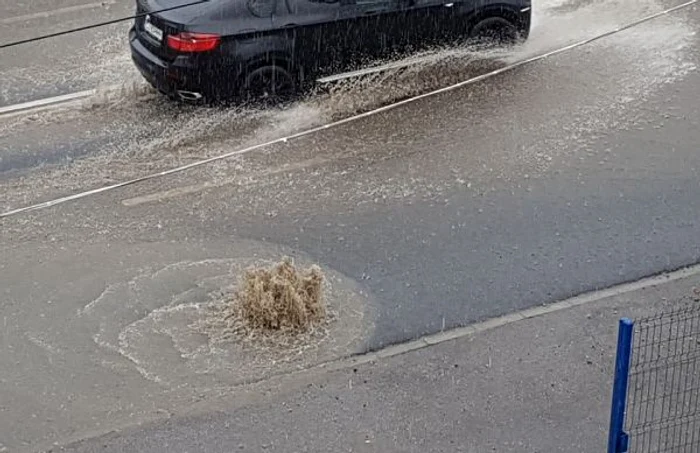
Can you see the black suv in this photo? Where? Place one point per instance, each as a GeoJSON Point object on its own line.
{"type": "Point", "coordinates": [219, 48]}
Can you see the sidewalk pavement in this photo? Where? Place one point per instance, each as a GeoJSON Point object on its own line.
{"type": "Point", "coordinates": [540, 384]}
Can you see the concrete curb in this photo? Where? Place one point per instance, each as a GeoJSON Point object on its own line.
{"type": "Point", "coordinates": [493, 323]}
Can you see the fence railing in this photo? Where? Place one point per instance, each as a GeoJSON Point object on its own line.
{"type": "Point", "coordinates": [656, 391]}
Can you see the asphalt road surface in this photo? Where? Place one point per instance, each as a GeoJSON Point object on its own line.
{"type": "Point", "coordinates": [573, 173]}
{"type": "Point", "coordinates": [73, 62]}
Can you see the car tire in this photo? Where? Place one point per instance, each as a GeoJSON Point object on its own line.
{"type": "Point", "coordinates": [269, 83]}
{"type": "Point", "coordinates": [494, 32]}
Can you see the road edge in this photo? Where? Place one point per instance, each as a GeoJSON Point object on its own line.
{"type": "Point", "coordinates": [510, 318]}
{"type": "Point", "coordinates": [423, 342]}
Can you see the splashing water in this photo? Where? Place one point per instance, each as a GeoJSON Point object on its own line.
{"type": "Point", "coordinates": [156, 134]}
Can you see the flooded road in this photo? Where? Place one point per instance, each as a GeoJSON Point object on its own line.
{"type": "Point", "coordinates": [573, 173]}
{"type": "Point", "coordinates": [79, 61]}
{"type": "Point", "coordinates": [131, 130]}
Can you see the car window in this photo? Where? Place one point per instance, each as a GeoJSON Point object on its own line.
{"type": "Point", "coordinates": [262, 8]}
{"type": "Point", "coordinates": [314, 7]}
{"type": "Point", "coordinates": [423, 3]}
{"type": "Point", "coordinates": [340, 7]}
{"type": "Point", "coordinates": [304, 12]}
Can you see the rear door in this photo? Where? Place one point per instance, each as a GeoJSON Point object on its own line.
{"type": "Point", "coordinates": [332, 36]}
{"type": "Point", "coordinates": [433, 22]}
{"type": "Point", "coordinates": [381, 30]}
{"type": "Point", "coordinates": [318, 31]}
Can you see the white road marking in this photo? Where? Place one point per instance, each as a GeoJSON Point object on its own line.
{"type": "Point", "coordinates": [287, 139]}
{"type": "Point", "coordinates": [55, 12]}
{"type": "Point", "coordinates": [168, 194]}
{"type": "Point", "coordinates": [63, 100]}
{"type": "Point", "coordinates": [40, 104]}
{"type": "Point", "coordinates": [196, 188]}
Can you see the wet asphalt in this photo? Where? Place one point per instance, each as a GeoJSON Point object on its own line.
{"type": "Point", "coordinates": [571, 174]}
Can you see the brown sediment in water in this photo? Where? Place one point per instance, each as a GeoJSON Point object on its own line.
{"type": "Point", "coordinates": [282, 297]}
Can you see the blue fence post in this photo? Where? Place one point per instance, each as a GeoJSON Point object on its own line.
{"type": "Point", "coordinates": [618, 441]}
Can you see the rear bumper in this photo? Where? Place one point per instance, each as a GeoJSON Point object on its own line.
{"type": "Point", "coordinates": [184, 73]}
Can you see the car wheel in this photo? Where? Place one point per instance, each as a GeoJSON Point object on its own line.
{"type": "Point", "coordinates": [271, 83]}
{"type": "Point", "coordinates": [494, 32]}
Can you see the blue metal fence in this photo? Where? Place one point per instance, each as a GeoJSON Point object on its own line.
{"type": "Point", "coordinates": [618, 438]}
{"type": "Point", "coordinates": [656, 391]}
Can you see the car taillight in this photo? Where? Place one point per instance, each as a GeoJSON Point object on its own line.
{"type": "Point", "coordinates": [193, 42]}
